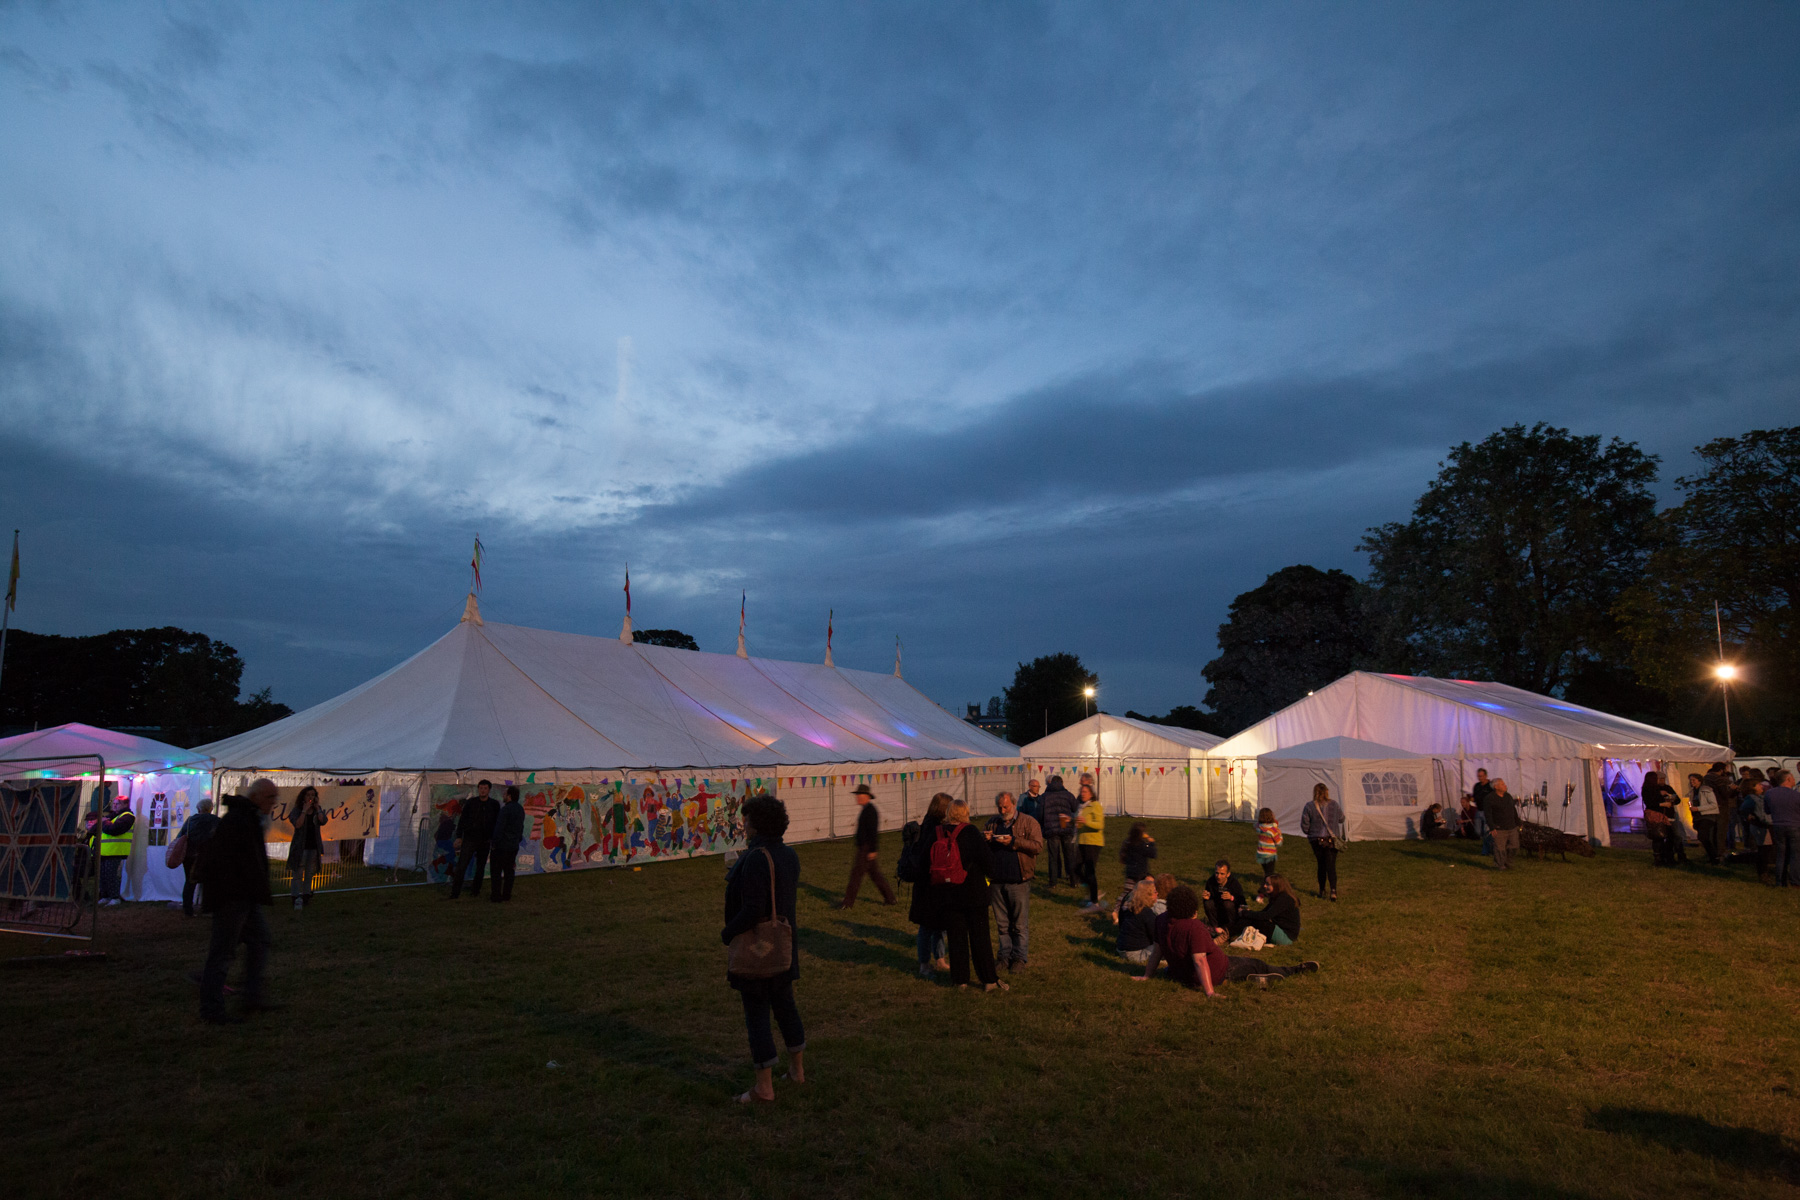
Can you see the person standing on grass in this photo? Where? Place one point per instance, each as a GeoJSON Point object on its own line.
{"type": "Point", "coordinates": [474, 837]}
{"type": "Point", "coordinates": [234, 887]}
{"type": "Point", "coordinates": [1322, 824]}
{"type": "Point", "coordinates": [1195, 960]}
{"type": "Point", "coordinates": [1724, 788]}
{"type": "Point", "coordinates": [1703, 802]}
{"type": "Point", "coordinates": [748, 890]}
{"type": "Point", "coordinates": [1059, 830]}
{"type": "Point", "coordinates": [1090, 834]}
{"type": "Point", "coordinates": [934, 947]}
{"type": "Point", "coordinates": [1014, 840]}
{"type": "Point", "coordinates": [1268, 841]}
{"type": "Point", "coordinates": [1755, 816]}
{"type": "Point", "coordinates": [1032, 802]}
{"type": "Point", "coordinates": [1502, 813]}
{"type": "Point", "coordinates": [307, 847]}
{"type": "Point", "coordinates": [960, 866]}
{"type": "Point", "coordinates": [1782, 803]}
{"type": "Point", "coordinates": [509, 834]}
{"type": "Point", "coordinates": [115, 847]}
{"type": "Point", "coordinates": [866, 859]}
{"type": "Point", "coordinates": [1663, 822]}
{"type": "Point", "coordinates": [198, 830]}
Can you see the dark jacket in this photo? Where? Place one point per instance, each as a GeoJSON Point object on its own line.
{"type": "Point", "coordinates": [1136, 858]}
{"type": "Point", "coordinates": [1232, 888]}
{"type": "Point", "coordinates": [868, 828]}
{"type": "Point", "coordinates": [235, 867]}
{"type": "Point", "coordinates": [1033, 807]}
{"type": "Point", "coordinates": [1137, 930]}
{"type": "Point", "coordinates": [1284, 912]}
{"type": "Point", "coordinates": [1060, 807]}
{"type": "Point", "coordinates": [307, 832]}
{"type": "Point", "coordinates": [920, 911]}
{"type": "Point", "coordinates": [1501, 811]}
{"type": "Point", "coordinates": [1017, 862]}
{"type": "Point", "coordinates": [747, 895]}
{"type": "Point", "coordinates": [476, 824]}
{"type": "Point", "coordinates": [509, 830]}
{"type": "Point", "coordinates": [978, 867]}
{"type": "Point", "coordinates": [198, 830]}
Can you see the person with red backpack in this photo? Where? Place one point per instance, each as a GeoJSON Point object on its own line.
{"type": "Point", "coordinates": [960, 865]}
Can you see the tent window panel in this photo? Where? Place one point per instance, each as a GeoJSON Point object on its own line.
{"type": "Point", "coordinates": [1390, 789]}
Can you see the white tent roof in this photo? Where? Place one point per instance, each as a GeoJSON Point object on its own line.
{"type": "Point", "coordinates": [1121, 737]}
{"type": "Point", "coordinates": [1451, 717]}
{"type": "Point", "coordinates": [1337, 749]}
{"type": "Point", "coordinates": [503, 696]}
{"type": "Point", "coordinates": [123, 753]}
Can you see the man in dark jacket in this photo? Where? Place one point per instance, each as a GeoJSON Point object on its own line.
{"type": "Point", "coordinates": [1014, 841]}
{"type": "Point", "coordinates": [234, 886]}
{"type": "Point", "coordinates": [866, 859]}
{"type": "Point", "coordinates": [1059, 831]}
{"type": "Point", "coordinates": [509, 832]}
{"type": "Point", "coordinates": [1032, 802]}
{"type": "Point", "coordinates": [1502, 814]}
{"type": "Point", "coordinates": [198, 830]}
{"type": "Point", "coordinates": [474, 837]}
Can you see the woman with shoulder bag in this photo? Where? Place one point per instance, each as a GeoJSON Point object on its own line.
{"type": "Point", "coordinates": [764, 959]}
{"type": "Point", "coordinates": [1322, 824]}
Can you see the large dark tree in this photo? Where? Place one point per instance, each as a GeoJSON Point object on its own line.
{"type": "Point", "coordinates": [664, 637]}
{"type": "Point", "coordinates": [1045, 696]}
{"type": "Point", "coordinates": [1185, 716]}
{"type": "Point", "coordinates": [1734, 539]}
{"type": "Point", "coordinates": [1515, 557]}
{"type": "Point", "coordinates": [181, 686]}
{"type": "Point", "coordinates": [1297, 632]}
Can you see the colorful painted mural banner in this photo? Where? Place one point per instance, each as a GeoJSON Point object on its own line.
{"type": "Point", "coordinates": [351, 811]}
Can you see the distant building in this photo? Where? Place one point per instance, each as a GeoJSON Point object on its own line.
{"type": "Point", "coordinates": [992, 722]}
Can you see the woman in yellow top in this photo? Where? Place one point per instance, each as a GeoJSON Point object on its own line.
{"type": "Point", "coordinates": [1090, 836]}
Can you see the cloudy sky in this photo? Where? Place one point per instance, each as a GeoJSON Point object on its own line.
{"type": "Point", "coordinates": [1007, 329]}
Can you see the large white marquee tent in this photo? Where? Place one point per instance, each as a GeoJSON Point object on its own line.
{"type": "Point", "coordinates": [1561, 753]}
{"type": "Point", "coordinates": [594, 728]}
{"type": "Point", "coordinates": [1140, 768]}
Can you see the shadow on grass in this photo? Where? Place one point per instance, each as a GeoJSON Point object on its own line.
{"type": "Point", "coordinates": [1417, 1183]}
{"type": "Point", "coordinates": [831, 896]}
{"type": "Point", "coordinates": [897, 937]}
{"type": "Point", "coordinates": [1732, 1145]}
{"type": "Point", "coordinates": [1111, 962]}
{"type": "Point", "coordinates": [836, 948]}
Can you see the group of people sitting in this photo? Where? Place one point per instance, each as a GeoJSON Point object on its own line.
{"type": "Point", "coordinates": [1149, 904]}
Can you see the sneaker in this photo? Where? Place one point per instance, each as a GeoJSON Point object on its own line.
{"type": "Point", "coordinates": [1309, 966]}
{"type": "Point", "coordinates": [925, 971]}
{"type": "Point", "coordinates": [299, 903]}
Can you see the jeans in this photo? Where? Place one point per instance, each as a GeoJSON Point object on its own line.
{"type": "Point", "coordinates": [1506, 844]}
{"type": "Point", "coordinates": [1242, 968]}
{"type": "Point", "coordinates": [1327, 860]}
{"type": "Point", "coordinates": [764, 998]}
{"type": "Point", "coordinates": [109, 875]}
{"type": "Point", "coordinates": [933, 945]}
{"type": "Point", "coordinates": [301, 869]}
{"type": "Point", "coordinates": [1708, 829]}
{"type": "Point", "coordinates": [188, 884]}
{"type": "Point", "coordinates": [861, 864]}
{"type": "Point", "coordinates": [1012, 920]}
{"type": "Point", "coordinates": [233, 923]}
{"type": "Point", "coordinates": [1090, 872]}
{"type": "Point", "coordinates": [1786, 839]}
{"type": "Point", "coordinates": [476, 852]}
{"type": "Point", "coordinates": [503, 861]}
{"type": "Point", "coordinates": [1222, 913]}
{"type": "Point", "coordinates": [1061, 848]}
{"type": "Point", "coordinates": [968, 936]}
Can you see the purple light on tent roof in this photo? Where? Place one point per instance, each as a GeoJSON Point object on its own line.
{"type": "Point", "coordinates": [1488, 704]}
{"type": "Point", "coordinates": [908, 731]}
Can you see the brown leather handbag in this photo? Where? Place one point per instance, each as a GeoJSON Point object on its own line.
{"type": "Point", "coordinates": [766, 949]}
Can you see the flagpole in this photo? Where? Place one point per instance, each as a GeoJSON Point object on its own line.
{"type": "Point", "coordinates": [12, 599]}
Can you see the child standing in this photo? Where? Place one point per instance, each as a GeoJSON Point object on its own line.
{"type": "Point", "coordinates": [1268, 841]}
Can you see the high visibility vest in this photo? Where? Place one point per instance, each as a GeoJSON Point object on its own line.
{"type": "Point", "coordinates": [116, 845]}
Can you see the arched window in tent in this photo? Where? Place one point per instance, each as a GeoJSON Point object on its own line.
{"type": "Point", "coordinates": [1392, 789]}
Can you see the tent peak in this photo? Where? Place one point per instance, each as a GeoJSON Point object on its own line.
{"type": "Point", "coordinates": [472, 610]}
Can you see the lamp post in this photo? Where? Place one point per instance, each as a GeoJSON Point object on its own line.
{"type": "Point", "coordinates": [1725, 672]}
{"type": "Point", "coordinates": [1087, 700]}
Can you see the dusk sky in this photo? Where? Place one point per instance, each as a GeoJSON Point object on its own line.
{"type": "Point", "coordinates": [1007, 329]}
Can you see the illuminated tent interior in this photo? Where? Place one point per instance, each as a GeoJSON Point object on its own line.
{"type": "Point", "coordinates": [514, 704]}
{"type": "Point", "coordinates": [1142, 769]}
{"type": "Point", "coordinates": [1561, 755]}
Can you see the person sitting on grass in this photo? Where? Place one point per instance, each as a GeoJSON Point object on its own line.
{"type": "Point", "coordinates": [1224, 899]}
{"type": "Point", "coordinates": [1467, 819]}
{"type": "Point", "coordinates": [1279, 921]}
{"type": "Point", "coordinates": [1135, 855]}
{"type": "Point", "coordinates": [1166, 883]}
{"type": "Point", "coordinates": [1137, 915]}
{"type": "Point", "coordinates": [1195, 960]}
{"type": "Point", "coordinates": [1431, 825]}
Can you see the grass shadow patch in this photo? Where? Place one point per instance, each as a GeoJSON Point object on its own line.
{"type": "Point", "coordinates": [1732, 1145]}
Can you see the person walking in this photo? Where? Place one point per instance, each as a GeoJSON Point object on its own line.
{"type": "Point", "coordinates": [767, 871]}
{"type": "Point", "coordinates": [1059, 830]}
{"type": "Point", "coordinates": [960, 868]}
{"type": "Point", "coordinates": [307, 848]}
{"type": "Point", "coordinates": [1322, 825]}
{"type": "Point", "coordinates": [1268, 841]}
{"type": "Point", "coordinates": [1502, 814]}
{"type": "Point", "coordinates": [198, 829]}
{"type": "Point", "coordinates": [1782, 803]}
{"type": "Point", "coordinates": [234, 887]}
{"type": "Point", "coordinates": [509, 833]}
{"type": "Point", "coordinates": [117, 829]}
{"type": "Point", "coordinates": [934, 948]}
{"type": "Point", "coordinates": [474, 837]}
{"type": "Point", "coordinates": [866, 860]}
{"type": "Point", "coordinates": [1090, 834]}
{"type": "Point", "coordinates": [1014, 841]}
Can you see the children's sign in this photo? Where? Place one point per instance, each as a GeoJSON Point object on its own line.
{"type": "Point", "coordinates": [351, 811]}
{"type": "Point", "coordinates": [615, 820]}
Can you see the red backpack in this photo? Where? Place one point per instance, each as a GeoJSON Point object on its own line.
{"type": "Point", "coordinates": [946, 856]}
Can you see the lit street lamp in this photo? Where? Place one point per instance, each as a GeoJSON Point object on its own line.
{"type": "Point", "coordinates": [1088, 697]}
{"type": "Point", "coordinates": [1726, 673]}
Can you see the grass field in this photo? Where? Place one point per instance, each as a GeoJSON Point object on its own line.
{"type": "Point", "coordinates": [1591, 1028]}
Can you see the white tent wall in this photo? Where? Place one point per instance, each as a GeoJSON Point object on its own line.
{"type": "Point", "coordinates": [1140, 769]}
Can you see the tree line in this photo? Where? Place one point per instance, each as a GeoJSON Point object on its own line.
{"type": "Point", "coordinates": [1535, 558]}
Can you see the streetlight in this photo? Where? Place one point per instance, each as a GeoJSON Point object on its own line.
{"type": "Point", "coordinates": [1726, 673]}
{"type": "Point", "coordinates": [1088, 693]}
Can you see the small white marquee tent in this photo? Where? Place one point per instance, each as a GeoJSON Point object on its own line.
{"type": "Point", "coordinates": [1140, 768]}
{"type": "Point", "coordinates": [1560, 754]}
{"type": "Point", "coordinates": [164, 783]}
{"type": "Point", "coordinates": [1379, 787]}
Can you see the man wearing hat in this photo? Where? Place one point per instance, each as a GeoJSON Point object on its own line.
{"type": "Point", "coordinates": [868, 848]}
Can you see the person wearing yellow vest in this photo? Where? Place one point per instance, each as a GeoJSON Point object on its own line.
{"type": "Point", "coordinates": [1090, 836]}
{"type": "Point", "coordinates": [116, 830]}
